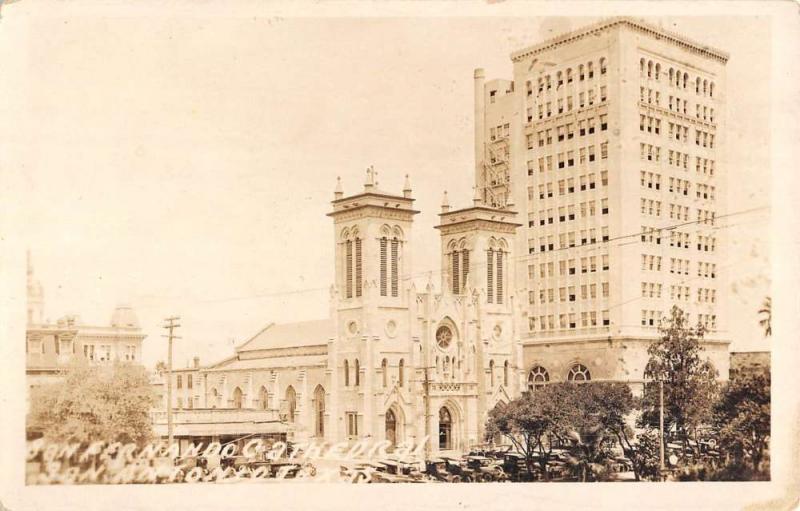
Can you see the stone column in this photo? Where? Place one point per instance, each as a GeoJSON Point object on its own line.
{"type": "Point", "coordinates": [332, 432]}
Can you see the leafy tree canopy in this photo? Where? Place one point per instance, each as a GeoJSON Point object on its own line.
{"type": "Point", "coordinates": [742, 417]}
{"type": "Point", "coordinates": [105, 403]}
{"type": "Point", "coordinates": [690, 385]}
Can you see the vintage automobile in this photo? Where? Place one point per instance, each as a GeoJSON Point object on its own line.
{"type": "Point", "coordinates": [514, 466]}
{"type": "Point", "coordinates": [396, 471]}
{"type": "Point", "coordinates": [437, 469]}
{"type": "Point", "coordinates": [459, 468]}
{"type": "Point", "coordinates": [486, 469]}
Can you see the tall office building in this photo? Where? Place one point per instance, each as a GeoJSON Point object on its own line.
{"type": "Point", "coordinates": [610, 141]}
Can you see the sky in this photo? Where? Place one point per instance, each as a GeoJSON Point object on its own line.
{"type": "Point", "coordinates": [184, 166]}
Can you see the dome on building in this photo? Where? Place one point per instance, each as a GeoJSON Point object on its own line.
{"type": "Point", "coordinates": [124, 317]}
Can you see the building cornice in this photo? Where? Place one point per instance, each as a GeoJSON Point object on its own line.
{"type": "Point", "coordinates": [533, 341]}
{"type": "Point", "coordinates": [372, 210]}
{"type": "Point", "coordinates": [638, 25]}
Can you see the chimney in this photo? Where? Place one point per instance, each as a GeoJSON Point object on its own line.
{"type": "Point", "coordinates": [196, 362]}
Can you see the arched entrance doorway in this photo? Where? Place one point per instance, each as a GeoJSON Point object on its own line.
{"type": "Point", "coordinates": [445, 429]}
{"type": "Point", "coordinates": [391, 427]}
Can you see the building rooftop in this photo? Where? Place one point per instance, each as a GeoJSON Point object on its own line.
{"type": "Point", "coordinates": [632, 23]}
{"type": "Point", "coordinates": [268, 363]}
{"type": "Point", "coordinates": [291, 335]}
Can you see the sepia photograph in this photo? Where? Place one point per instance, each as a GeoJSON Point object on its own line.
{"type": "Point", "coordinates": [249, 246]}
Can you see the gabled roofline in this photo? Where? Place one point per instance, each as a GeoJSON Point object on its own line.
{"type": "Point", "coordinates": [253, 337]}
{"type": "Point", "coordinates": [232, 358]}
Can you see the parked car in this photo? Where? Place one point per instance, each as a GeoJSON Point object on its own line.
{"type": "Point", "coordinates": [514, 466]}
{"type": "Point", "coordinates": [437, 468]}
{"type": "Point", "coordinates": [486, 469]}
{"type": "Point", "coordinates": [459, 468]}
{"type": "Point", "coordinates": [396, 471]}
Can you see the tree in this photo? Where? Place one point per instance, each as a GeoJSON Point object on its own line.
{"type": "Point", "coordinates": [742, 417]}
{"type": "Point", "coordinates": [690, 385]}
{"type": "Point", "coordinates": [533, 422]}
{"type": "Point", "coordinates": [95, 403]}
{"type": "Point", "coordinates": [645, 455]}
{"type": "Point", "coordinates": [766, 320]}
{"type": "Point", "coordinates": [604, 410]}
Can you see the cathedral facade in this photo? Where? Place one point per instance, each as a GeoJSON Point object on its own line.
{"type": "Point", "coordinates": [392, 363]}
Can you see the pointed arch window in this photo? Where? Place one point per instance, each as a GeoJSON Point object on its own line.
{"type": "Point", "coordinates": [401, 373]}
{"type": "Point", "coordinates": [319, 411]}
{"type": "Point", "coordinates": [358, 373]}
{"type": "Point", "coordinates": [384, 372]}
{"type": "Point", "coordinates": [456, 274]}
{"type": "Point", "coordinates": [459, 266]}
{"type": "Point", "coordinates": [490, 276]}
{"type": "Point", "coordinates": [505, 374]}
{"type": "Point", "coordinates": [499, 294]}
{"type": "Point", "coordinates": [238, 398]}
{"type": "Point", "coordinates": [291, 404]}
{"type": "Point", "coordinates": [445, 429]}
{"type": "Point", "coordinates": [346, 373]}
{"type": "Point", "coordinates": [395, 276]}
{"type": "Point", "coordinates": [349, 269]}
{"type": "Point", "coordinates": [263, 398]}
{"type": "Point", "coordinates": [491, 373]}
{"type": "Point", "coordinates": [359, 269]}
{"type": "Point", "coordinates": [384, 261]}
{"type": "Point", "coordinates": [464, 267]}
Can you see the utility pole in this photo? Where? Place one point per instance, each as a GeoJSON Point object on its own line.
{"type": "Point", "coordinates": [425, 386]}
{"type": "Point", "coordinates": [171, 324]}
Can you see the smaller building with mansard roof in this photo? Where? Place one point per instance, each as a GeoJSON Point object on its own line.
{"type": "Point", "coordinates": [51, 347]}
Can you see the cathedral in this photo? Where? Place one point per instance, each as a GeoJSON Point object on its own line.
{"type": "Point", "coordinates": [392, 363]}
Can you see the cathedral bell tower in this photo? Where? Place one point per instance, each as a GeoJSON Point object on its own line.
{"type": "Point", "coordinates": [369, 304]}
{"type": "Point", "coordinates": [372, 255]}
{"type": "Point", "coordinates": [477, 251]}
{"type": "Point", "coordinates": [477, 263]}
